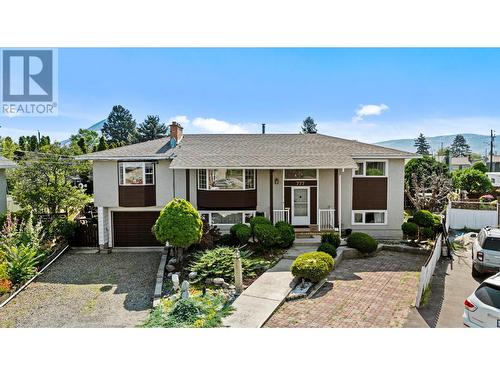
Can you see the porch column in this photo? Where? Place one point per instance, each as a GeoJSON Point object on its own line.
{"type": "Point", "coordinates": [271, 193]}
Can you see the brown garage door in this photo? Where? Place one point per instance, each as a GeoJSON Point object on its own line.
{"type": "Point", "coordinates": [134, 228]}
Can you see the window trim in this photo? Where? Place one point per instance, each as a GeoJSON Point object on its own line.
{"type": "Point", "coordinates": [364, 217]}
{"type": "Point", "coordinates": [300, 179]}
{"type": "Point", "coordinates": [242, 212]}
{"type": "Point", "coordinates": [121, 172]}
{"type": "Point", "coordinates": [206, 188]}
{"type": "Point", "coordinates": [364, 161]}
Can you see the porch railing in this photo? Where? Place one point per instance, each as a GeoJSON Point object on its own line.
{"type": "Point", "coordinates": [326, 219]}
{"type": "Point", "coordinates": [281, 215]}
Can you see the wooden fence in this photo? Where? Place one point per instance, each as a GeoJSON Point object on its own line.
{"type": "Point", "coordinates": [86, 233]}
{"type": "Point", "coordinates": [428, 269]}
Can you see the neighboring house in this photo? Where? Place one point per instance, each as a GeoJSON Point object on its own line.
{"type": "Point", "coordinates": [496, 163]}
{"type": "Point", "coordinates": [310, 180]}
{"type": "Point", "coordinates": [460, 163]}
{"type": "Point", "coordinates": [494, 177]}
{"type": "Point", "coordinates": [4, 164]}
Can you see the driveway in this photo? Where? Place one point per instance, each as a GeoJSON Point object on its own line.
{"type": "Point", "coordinates": [87, 290]}
{"type": "Point", "coordinates": [369, 292]}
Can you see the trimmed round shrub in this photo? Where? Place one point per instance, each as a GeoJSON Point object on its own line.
{"type": "Point", "coordinates": [286, 233]}
{"type": "Point", "coordinates": [241, 233]}
{"type": "Point", "coordinates": [328, 248]}
{"type": "Point", "coordinates": [409, 229]}
{"type": "Point", "coordinates": [427, 232]}
{"type": "Point", "coordinates": [313, 266]}
{"type": "Point", "coordinates": [362, 242]}
{"type": "Point", "coordinates": [331, 238]}
{"type": "Point", "coordinates": [267, 235]}
{"type": "Point", "coordinates": [423, 218]}
{"type": "Point", "coordinates": [179, 224]}
{"type": "Point", "coordinates": [258, 220]}
{"type": "Point", "coordinates": [226, 240]}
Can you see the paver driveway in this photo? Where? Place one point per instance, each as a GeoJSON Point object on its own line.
{"type": "Point", "coordinates": [369, 292]}
{"type": "Point", "coordinates": [87, 290]}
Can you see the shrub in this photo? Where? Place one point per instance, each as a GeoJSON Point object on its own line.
{"type": "Point", "coordinates": [362, 242]}
{"type": "Point", "coordinates": [486, 198]}
{"type": "Point", "coordinates": [427, 232]}
{"type": "Point", "coordinates": [328, 248]}
{"type": "Point", "coordinates": [480, 166]}
{"type": "Point", "coordinates": [332, 238]}
{"type": "Point", "coordinates": [179, 224]}
{"type": "Point", "coordinates": [473, 181]}
{"type": "Point", "coordinates": [21, 262]}
{"type": "Point", "coordinates": [267, 235]}
{"type": "Point", "coordinates": [409, 229]}
{"type": "Point", "coordinates": [210, 237]}
{"type": "Point", "coordinates": [258, 220]}
{"type": "Point", "coordinates": [313, 266]}
{"type": "Point", "coordinates": [61, 227]}
{"type": "Point", "coordinates": [187, 310]}
{"type": "Point", "coordinates": [5, 285]}
{"type": "Point", "coordinates": [226, 240]}
{"type": "Point", "coordinates": [241, 233]}
{"type": "Point", "coordinates": [219, 262]}
{"type": "Point", "coordinates": [437, 223]}
{"type": "Point", "coordinates": [423, 218]}
{"type": "Point", "coordinates": [286, 234]}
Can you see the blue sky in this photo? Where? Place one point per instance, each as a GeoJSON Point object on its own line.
{"type": "Point", "coordinates": [364, 94]}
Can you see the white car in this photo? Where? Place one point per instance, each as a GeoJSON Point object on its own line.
{"type": "Point", "coordinates": [482, 308]}
{"type": "Point", "coordinates": [486, 252]}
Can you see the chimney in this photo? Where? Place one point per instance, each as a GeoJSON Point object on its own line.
{"type": "Point", "coordinates": [263, 128]}
{"type": "Point", "coordinates": [176, 131]}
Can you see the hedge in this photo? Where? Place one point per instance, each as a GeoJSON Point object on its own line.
{"type": "Point", "coordinates": [267, 235]}
{"type": "Point", "coordinates": [331, 238]}
{"type": "Point", "coordinates": [328, 248]}
{"type": "Point", "coordinates": [241, 233]}
{"type": "Point", "coordinates": [362, 242]}
{"type": "Point", "coordinates": [286, 234]}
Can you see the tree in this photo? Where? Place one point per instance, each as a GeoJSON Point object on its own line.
{"type": "Point", "coordinates": [33, 143]}
{"type": "Point", "coordinates": [473, 181]}
{"type": "Point", "coordinates": [423, 168]}
{"type": "Point", "coordinates": [23, 143]}
{"type": "Point", "coordinates": [151, 128]}
{"type": "Point", "coordinates": [179, 224]}
{"type": "Point", "coordinates": [42, 182]}
{"type": "Point", "coordinates": [90, 139]}
{"type": "Point", "coordinates": [102, 145]}
{"type": "Point", "coordinates": [309, 126]}
{"type": "Point", "coordinates": [44, 141]}
{"type": "Point", "coordinates": [81, 144]}
{"type": "Point", "coordinates": [459, 147]}
{"type": "Point", "coordinates": [120, 126]}
{"type": "Point", "coordinates": [428, 193]}
{"type": "Point", "coordinates": [480, 166]}
{"type": "Point", "coordinates": [9, 147]}
{"type": "Point", "coordinates": [422, 145]}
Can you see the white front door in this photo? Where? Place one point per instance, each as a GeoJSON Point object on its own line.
{"type": "Point", "coordinates": [300, 206]}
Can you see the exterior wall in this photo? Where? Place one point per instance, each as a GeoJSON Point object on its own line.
{"type": "Point", "coordinates": [278, 199]}
{"type": "Point", "coordinates": [3, 191]}
{"type": "Point", "coordinates": [193, 184]}
{"type": "Point", "coordinates": [103, 225]}
{"type": "Point", "coordinates": [164, 187]}
{"type": "Point", "coordinates": [263, 192]}
{"type": "Point", "coordinates": [395, 203]}
{"type": "Point", "coordinates": [105, 183]}
{"type": "Point", "coordinates": [326, 186]}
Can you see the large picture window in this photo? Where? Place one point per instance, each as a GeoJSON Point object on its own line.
{"type": "Point", "coordinates": [136, 173]}
{"type": "Point", "coordinates": [371, 168]}
{"type": "Point", "coordinates": [226, 179]}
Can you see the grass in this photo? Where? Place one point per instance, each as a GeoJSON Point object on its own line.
{"type": "Point", "coordinates": [425, 296]}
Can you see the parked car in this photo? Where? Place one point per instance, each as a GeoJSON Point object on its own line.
{"type": "Point", "coordinates": [486, 252]}
{"type": "Point", "coordinates": [482, 308]}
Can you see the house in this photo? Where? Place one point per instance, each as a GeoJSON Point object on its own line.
{"type": "Point", "coordinates": [496, 163]}
{"type": "Point", "coordinates": [460, 163]}
{"type": "Point", "coordinates": [494, 178]}
{"type": "Point", "coordinates": [4, 164]}
{"type": "Point", "coordinates": [311, 180]}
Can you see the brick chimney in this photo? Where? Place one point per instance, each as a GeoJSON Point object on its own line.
{"type": "Point", "coordinates": [176, 131]}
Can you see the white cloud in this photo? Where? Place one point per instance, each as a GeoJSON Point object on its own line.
{"type": "Point", "coordinates": [369, 110]}
{"type": "Point", "coordinates": [210, 125]}
{"type": "Point", "coordinates": [181, 119]}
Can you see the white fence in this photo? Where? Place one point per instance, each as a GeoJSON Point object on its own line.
{"type": "Point", "coordinates": [472, 215]}
{"type": "Point", "coordinates": [428, 269]}
{"type": "Point", "coordinates": [281, 215]}
{"type": "Point", "coordinates": [326, 219]}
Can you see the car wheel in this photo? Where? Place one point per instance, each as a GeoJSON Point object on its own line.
{"type": "Point", "coordinates": [476, 273]}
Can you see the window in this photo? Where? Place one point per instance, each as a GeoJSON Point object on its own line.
{"type": "Point", "coordinates": [300, 174]}
{"type": "Point", "coordinates": [226, 219]}
{"type": "Point", "coordinates": [226, 179]}
{"type": "Point", "coordinates": [369, 217]}
{"type": "Point", "coordinates": [136, 173]}
{"type": "Point", "coordinates": [371, 169]}
{"type": "Point", "coordinates": [489, 294]}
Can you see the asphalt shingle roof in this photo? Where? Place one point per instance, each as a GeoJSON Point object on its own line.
{"type": "Point", "coordinates": [255, 150]}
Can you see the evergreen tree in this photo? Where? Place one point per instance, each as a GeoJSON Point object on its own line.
{"type": "Point", "coordinates": [309, 126]}
{"type": "Point", "coordinates": [82, 145]}
{"type": "Point", "coordinates": [459, 147]}
{"type": "Point", "coordinates": [8, 148]}
{"type": "Point", "coordinates": [120, 126]}
{"type": "Point", "coordinates": [422, 145]}
{"type": "Point", "coordinates": [44, 140]}
{"type": "Point", "coordinates": [33, 143]}
{"type": "Point", "coordinates": [102, 145]}
{"type": "Point", "coordinates": [151, 128]}
{"type": "Point", "coordinates": [23, 143]}
{"type": "Point", "coordinates": [90, 139]}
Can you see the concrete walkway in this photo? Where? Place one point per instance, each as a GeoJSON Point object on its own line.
{"type": "Point", "coordinates": [258, 302]}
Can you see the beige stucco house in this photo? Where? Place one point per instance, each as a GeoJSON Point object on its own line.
{"type": "Point", "coordinates": [310, 180]}
{"type": "Point", "coordinates": [4, 164]}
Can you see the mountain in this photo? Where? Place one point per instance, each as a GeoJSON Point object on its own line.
{"type": "Point", "coordinates": [477, 142]}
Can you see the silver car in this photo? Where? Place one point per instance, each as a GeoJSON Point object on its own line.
{"type": "Point", "coordinates": [486, 252]}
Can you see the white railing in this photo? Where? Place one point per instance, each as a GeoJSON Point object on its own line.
{"type": "Point", "coordinates": [326, 219]}
{"type": "Point", "coordinates": [428, 270]}
{"type": "Point", "coordinates": [281, 215]}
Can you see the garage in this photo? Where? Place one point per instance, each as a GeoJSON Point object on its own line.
{"type": "Point", "coordinates": [134, 228]}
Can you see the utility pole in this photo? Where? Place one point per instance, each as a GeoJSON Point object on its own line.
{"type": "Point", "coordinates": [492, 139]}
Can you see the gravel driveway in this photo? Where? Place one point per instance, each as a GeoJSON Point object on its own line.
{"type": "Point", "coordinates": [87, 290]}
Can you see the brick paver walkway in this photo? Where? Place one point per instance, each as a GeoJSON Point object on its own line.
{"type": "Point", "coordinates": [369, 292]}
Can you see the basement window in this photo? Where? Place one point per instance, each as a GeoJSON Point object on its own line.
{"type": "Point", "coordinates": [369, 217]}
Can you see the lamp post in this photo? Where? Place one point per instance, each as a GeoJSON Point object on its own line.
{"type": "Point", "coordinates": [238, 272]}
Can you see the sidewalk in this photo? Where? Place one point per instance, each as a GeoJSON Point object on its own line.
{"type": "Point", "coordinates": [258, 302]}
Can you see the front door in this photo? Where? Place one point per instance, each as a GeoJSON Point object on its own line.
{"type": "Point", "coordinates": [300, 206]}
